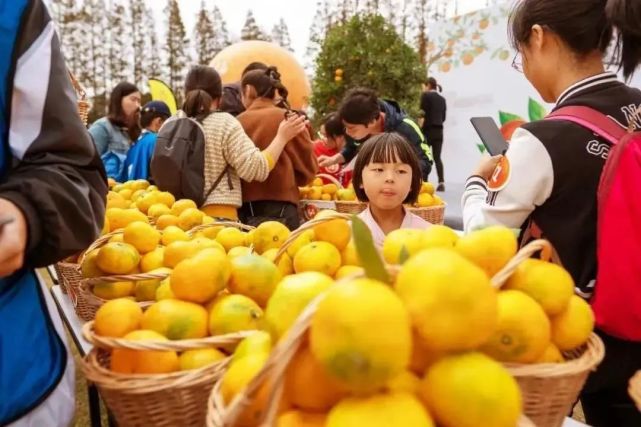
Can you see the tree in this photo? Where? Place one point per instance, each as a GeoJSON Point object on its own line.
{"type": "Point", "coordinates": [221, 35]}
{"type": "Point", "coordinates": [280, 35]}
{"type": "Point", "coordinates": [138, 9]}
{"type": "Point", "coordinates": [321, 24]}
{"type": "Point", "coordinates": [372, 7]}
{"type": "Point", "coordinates": [120, 44]}
{"type": "Point", "coordinates": [366, 51]}
{"type": "Point", "coordinates": [204, 36]}
{"type": "Point", "coordinates": [251, 30]}
{"type": "Point", "coordinates": [96, 78]}
{"type": "Point", "coordinates": [152, 65]}
{"type": "Point", "coordinates": [421, 16]}
{"type": "Point", "coordinates": [175, 48]}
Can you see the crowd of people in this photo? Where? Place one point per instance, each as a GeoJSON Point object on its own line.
{"type": "Point", "coordinates": [257, 151]}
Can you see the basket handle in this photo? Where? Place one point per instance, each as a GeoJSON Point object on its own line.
{"type": "Point", "coordinates": [331, 179]}
{"type": "Point", "coordinates": [76, 86]}
{"type": "Point", "coordinates": [214, 224]}
{"type": "Point", "coordinates": [547, 254]}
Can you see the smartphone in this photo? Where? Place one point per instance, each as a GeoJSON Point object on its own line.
{"type": "Point", "coordinates": [490, 135]}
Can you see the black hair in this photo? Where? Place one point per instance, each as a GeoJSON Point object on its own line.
{"type": "Point", "coordinates": [359, 107]}
{"type": "Point", "coordinates": [115, 113]}
{"type": "Point", "coordinates": [146, 117]}
{"type": "Point", "coordinates": [254, 66]}
{"type": "Point", "coordinates": [333, 126]}
{"type": "Point", "coordinates": [267, 84]}
{"type": "Point", "coordinates": [585, 26]}
{"type": "Point", "coordinates": [202, 86]}
{"type": "Point", "coordinates": [432, 83]}
{"type": "Point", "coordinates": [387, 147]}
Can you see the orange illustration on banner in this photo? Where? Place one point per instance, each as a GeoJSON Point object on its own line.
{"type": "Point", "coordinates": [501, 175]}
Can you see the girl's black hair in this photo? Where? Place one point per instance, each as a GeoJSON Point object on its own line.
{"type": "Point", "coordinates": [146, 117]}
{"type": "Point", "coordinates": [116, 115]}
{"type": "Point", "coordinates": [202, 86]}
{"type": "Point", "coordinates": [387, 148]}
{"type": "Point", "coordinates": [333, 126]}
{"type": "Point", "coordinates": [585, 26]}
{"type": "Point", "coordinates": [267, 84]}
{"type": "Point", "coordinates": [432, 83]}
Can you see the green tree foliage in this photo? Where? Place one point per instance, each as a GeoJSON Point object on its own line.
{"type": "Point", "coordinates": [366, 51]}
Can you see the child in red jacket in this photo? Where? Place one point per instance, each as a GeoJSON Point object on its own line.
{"type": "Point", "coordinates": [333, 133]}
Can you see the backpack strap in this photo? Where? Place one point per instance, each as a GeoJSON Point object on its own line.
{"type": "Point", "coordinates": [220, 178]}
{"type": "Point", "coordinates": [591, 119]}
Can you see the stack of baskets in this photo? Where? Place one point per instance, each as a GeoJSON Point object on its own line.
{"type": "Point", "coordinates": [83, 104]}
{"type": "Point", "coordinates": [549, 390]}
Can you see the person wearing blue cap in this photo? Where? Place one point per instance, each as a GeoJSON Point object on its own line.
{"type": "Point", "coordinates": [152, 116]}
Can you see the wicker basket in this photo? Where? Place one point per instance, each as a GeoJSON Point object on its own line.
{"type": "Point", "coordinates": [161, 400]}
{"type": "Point", "coordinates": [431, 214]}
{"type": "Point", "coordinates": [83, 104]}
{"type": "Point", "coordinates": [550, 390]}
{"type": "Point", "coordinates": [68, 271]}
{"type": "Point", "coordinates": [635, 389]}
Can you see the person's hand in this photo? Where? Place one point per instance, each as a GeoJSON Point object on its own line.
{"type": "Point", "coordinates": [327, 161]}
{"type": "Point", "coordinates": [292, 126]}
{"type": "Point", "coordinates": [486, 167]}
{"type": "Point", "coordinates": [13, 238]}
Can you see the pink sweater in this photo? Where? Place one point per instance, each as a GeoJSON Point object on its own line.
{"type": "Point", "coordinates": [410, 221]}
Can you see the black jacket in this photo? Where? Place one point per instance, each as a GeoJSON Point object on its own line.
{"type": "Point", "coordinates": [435, 109]}
{"type": "Point", "coordinates": [396, 120]}
{"type": "Point", "coordinates": [555, 170]}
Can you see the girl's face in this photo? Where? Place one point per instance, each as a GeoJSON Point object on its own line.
{"type": "Point", "coordinates": [131, 104]}
{"type": "Point", "coordinates": [387, 184]}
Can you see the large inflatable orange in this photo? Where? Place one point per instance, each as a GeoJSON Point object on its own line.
{"type": "Point", "coordinates": [231, 61]}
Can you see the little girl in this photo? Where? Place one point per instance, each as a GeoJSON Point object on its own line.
{"type": "Point", "coordinates": [387, 174]}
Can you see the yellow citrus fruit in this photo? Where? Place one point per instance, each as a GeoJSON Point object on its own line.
{"type": "Point", "coordinates": [551, 355]}
{"type": "Point", "coordinates": [195, 359]}
{"type": "Point", "coordinates": [190, 218]}
{"type": "Point", "coordinates": [572, 327]}
{"type": "Point", "coordinates": [157, 210]}
{"type": "Point", "coordinates": [146, 201]}
{"type": "Point", "coordinates": [424, 200]}
{"type": "Point", "coordinates": [255, 277]}
{"type": "Point", "coordinates": [205, 243]}
{"type": "Point", "coordinates": [230, 237]}
{"type": "Point", "coordinates": [173, 234]}
{"type": "Point", "coordinates": [118, 238]}
{"type": "Point", "coordinates": [336, 231]}
{"type": "Point", "coordinates": [181, 205]}
{"type": "Point", "coordinates": [438, 201]}
{"type": "Point", "coordinates": [305, 370]}
{"type": "Point", "coordinates": [113, 290]}
{"type": "Point", "coordinates": [152, 260]}
{"type": "Point", "coordinates": [118, 203]}
{"type": "Point", "coordinates": [285, 264]}
{"type": "Point", "coordinates": [240, 373]}
{"type": "Point", "coordinates": [490, 248]}
{"type": "Point", "coordinates": [212, 231]}
{"type": "Point", "coordinates": [89, 267]}
{"type": "Point", "coordinates": [445, 294]}
{"type": "Point", "coordinates": [143, 361]}
{"type": "Point", "coordinates": [349, 256]}
{"type": "Point", "coordinates": [118, 317]}
{"type": "Point", "coordinates": [166, 198]}
{"type": "Point", "coordinates": [302, 240]}
{"type": "Point", "coordinates": [330, 189]}
{"type": "Point", "coordinates": [290, 298]}
{"type": "Point", "coordinates": [427, 187]}
{"type": "Point", "coordinates": [119, 218]}
{"type": "Point", "coordinates": [136, 196]}
{"type": "Point", "coordinates": [105, 227]}
{"type": "Point", "coordinates": [317, 182]}
{"type": "Point", "coordinates": [258, 342]}
{"type": "Point", "coordinates": [179, 251]}
{"type": "Point", "coordinates": [238, 251]}
{"type": "Point", "coordinates": [208, 220]}
{"type": "Point", "coordinates": [549, 284]}
{"type": "Point", "coordinates": [269, 235]}
{"type": "Point", "coordinates": [146, 289]}
{"type": "Point", "coordinates": [357, 341]}
{"type": "Point", "coordinates": [141, 236]}
{"type": "Point", "coordinates": [296, 418]}
{"type": "Point", "coordinates": [234, 313]}
{"type": "Point", "coordinates": [439, 236]}
{"type": "Point", "coordinates": [176, 320]}
{"type": "Point", "coordinates": [111, 182]}
{"type": "Point", "coordinates": [488, 393]}
{"type": "Point", "coordinates": [348, 270]}
{"type": "Point", "coordinates": [164, 290]}
{"type": "Point", "coordinates": [249, 237]}
{"type": "Point", "coordinates": [152, 188]}
{"type": "Point", "coordinates": [117, 258]}
{"type": "Point", "coordinates": [523, 330]}
{"type": "Point", "coordinates": [139, 184]}
{"type": "Point", "coordinates": [405, 382]}
{"type": "Point", "coordinates": [165, 221]}
{"type": "Point", "coordinates": [401, 244]}
{"type": "Point", "coordinates": [318, 256]}
{"type": "Point", "coordinates": [422, 356]}
{"type": "Point", "coordinates": [200, 278]}
{"type": "Point", "coordinates": [315, 193]}
{"type": "Point", "coordinates": [126, 193]}
{"type": "Point", "coordinates": [380, 410]}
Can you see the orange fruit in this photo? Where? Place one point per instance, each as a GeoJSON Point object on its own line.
{"type": "Point", "coordinates": [143, 361]}
{"type": "Point", "coordinates": [117, 258]}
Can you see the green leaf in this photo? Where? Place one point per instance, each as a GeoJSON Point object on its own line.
{"type": "Point", "coordinates": [507, 117]}
{"type": "Point", "coordinates": [481, 148]}
{"type": "Point", "coordinates": [367, 253]}
{"type": "Point", "coordinates": [536, 110]}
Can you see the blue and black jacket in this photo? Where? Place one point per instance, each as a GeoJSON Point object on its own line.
{"type": "Point", "coordinates": [50, 169]}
